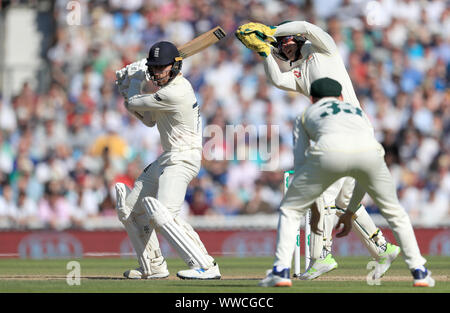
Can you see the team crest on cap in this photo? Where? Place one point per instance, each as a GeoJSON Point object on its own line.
{"type": "Point", "coordinates": [156, 54]}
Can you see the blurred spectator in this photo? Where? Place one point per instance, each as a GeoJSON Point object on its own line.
{"type": "Point", "coordinates": [54, 210]}
{"type": "Point", "coordinates": [78, 136]}
{"type": "Point", "coordinates": [26, 214]}
{"type": "Point", "coordinates": [8, 120]}
{"type": "Point", "coordinates": [260, 201]}
{"type": "Point", "coordinates": [85, 197]}
{"type": "Point", "coordinates": [107, 206]}
{"type": "Point", "coordinates": [435, 207]}
{"type": "Point", "coordinates": [8, 207]}
{"type": "Point", "coordinates": [198, 204]}
{"type": "Point", "coordinates": [112, 144]}
{"type": "Point", "coordinates": [6, 155]}
{"type": "Point", "coordinates": [226, 202]}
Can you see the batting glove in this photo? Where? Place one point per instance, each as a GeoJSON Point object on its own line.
{"type": "Point", "coordinates": [123, 89]}
{"type": "Point", "coordinates": [136, 70]}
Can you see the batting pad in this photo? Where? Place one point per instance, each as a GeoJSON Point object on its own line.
{"type": "Point", "coordinates": [329, 220]}
{"type": "Point", "coordinates": [143, 239]}
{"type": "Point", "coordinates": [148, 236]}
{"type": "Point", "coordinates": [365, 228]}
{"type": "Point", "coordinates": [139, 245]}
{"type": "Point", "coordinates": [122, 192]}
{"type": "Point", "coordinates": [190, 252]}
{"type": "Point", "coordinates": [316, 241]}
{"type": "Point", "coordinates": [193, 235]}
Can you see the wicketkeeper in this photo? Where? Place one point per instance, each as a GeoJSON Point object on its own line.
{"type": "Point", "coordinates": [155, 201]}
{"type": "Point", "coordinates": [344, 145]}
{"type": "Point", "coordinates": [313, 54]}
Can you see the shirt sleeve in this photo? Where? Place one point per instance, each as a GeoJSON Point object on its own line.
{"type": "Point", "coordinates": [145, 117]}
{"type": "Point", "coordinates": [301, 141]}
{"type": "Point", "coordinates": [285, 81]}
{"type": "Point", "coordinates": [146, 102]}
{"type": "Point", "coordinates": [316, 35]}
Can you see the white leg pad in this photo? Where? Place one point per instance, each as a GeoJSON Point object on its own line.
{"type": "Point", "coordinates": [328, 224]}
{"type": "Point", "coordinates": [318, 240]}
{"type": "Point", "coordinates": [139, 245]}
{"type": "Point", "coordinates": [176, 235]}
{"type": "Point", "coordinates": [123, 211]}
{"type": "Point", "coordinates": [142, 237]}
{"type": "Point", "coordinates": [367, 231]}
{"type": "Point", "coordinates": [193, 235]}
{"type": "Point", "coordinates": [363, 225]}
{"type": "Point", "coordinates": [147, 235]}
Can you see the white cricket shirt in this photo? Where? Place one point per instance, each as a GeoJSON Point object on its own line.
{"type": "Point", "coordinates": [338, 126]}
{"type": "Point", "coordinates": [320, 58]}
{"type": "Point", "coordinates": [175, 109]}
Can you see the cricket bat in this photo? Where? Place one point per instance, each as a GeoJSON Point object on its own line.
{"type": "Point", "coordinates": [201, 42]}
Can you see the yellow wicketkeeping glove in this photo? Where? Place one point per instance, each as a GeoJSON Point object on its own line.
{"type": "Point", "coordinates": [263, 31]}
{"type": "Point", "coordinates": [254, 36]}
{"type": "Point", "coordinates": [255, 43]}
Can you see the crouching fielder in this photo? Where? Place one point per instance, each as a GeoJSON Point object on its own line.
{"type": "Point", "coordinates": [155, 201]}
{"type": "Point", "coordinates": [313, 54]}
{"type": "Point", "coordinates": [345, 146]}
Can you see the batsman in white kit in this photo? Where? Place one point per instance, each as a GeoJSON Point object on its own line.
{"type": "Point", "coordinates": [344, 146]}
{"type": "Point", "coordinates": [313, 54]}
{"type": "Point", "coordinates": [155, 201]}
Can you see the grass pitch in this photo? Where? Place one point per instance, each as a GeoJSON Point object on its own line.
{"type": "Point", "coordinates": [239, 275]}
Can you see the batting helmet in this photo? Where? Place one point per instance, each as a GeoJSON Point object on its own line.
{"type": "Point", "coordinates": [164, 53]}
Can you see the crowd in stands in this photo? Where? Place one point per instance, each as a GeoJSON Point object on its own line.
{"type": "Point", "coordinates": [61, 151]}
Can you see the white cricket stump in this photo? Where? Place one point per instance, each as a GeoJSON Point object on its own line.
{"type": "Point", "coordinates": [307, 236]}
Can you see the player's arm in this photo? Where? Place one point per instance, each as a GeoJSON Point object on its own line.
{"type": "Point", "coordinates": [285, 81]}
{"type": "Point", "coordinates": [145, 117]}
{"type": "Point", "coordinates": [301, 140]}
{"type": "Point", "coordinates": [316, 35]}
{"type": "Point", "coordinates": [145, 102]}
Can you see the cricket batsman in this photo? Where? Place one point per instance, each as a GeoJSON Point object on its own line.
{"type": "Point", "coordinates": [313, 54]}
{"type": "Point", "coordinates": [155, 201]}
{"type": "Point", "coordinates": [344, 145]}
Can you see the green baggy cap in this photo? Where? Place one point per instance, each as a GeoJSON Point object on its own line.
{"type": "Point", "coordinates": [325, 87]}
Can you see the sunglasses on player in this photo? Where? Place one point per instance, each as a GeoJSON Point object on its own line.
{"type": "Point", "coordinates": [285, 40]}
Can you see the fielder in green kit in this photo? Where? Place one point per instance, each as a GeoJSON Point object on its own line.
{"type": "Point", "coordinates": [313, 54]}
{"type": "Point", "coordinates": [344, 146]}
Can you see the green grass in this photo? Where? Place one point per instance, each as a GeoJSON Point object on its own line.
{"type": "Point", "coordinates": [239, 275]}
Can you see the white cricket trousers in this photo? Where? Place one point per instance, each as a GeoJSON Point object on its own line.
{"type": "Point", "coordinates": [166, 179]}
{"type": "Point", "coordinates": [319, 171]}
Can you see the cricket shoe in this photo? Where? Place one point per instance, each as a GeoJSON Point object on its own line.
{"type": "Point", "coordinates": [200, 273]}
{"type": "Point", "coordinates": [276, 279]}
{"type": "Point", "coordinates": [422, 278]}
{"type": "Point", "coordinates": [385, 260]}
{"type": "Point", "coordinates": [139, 274]}
{"type": "Point", "coordinates": [320, 267]}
